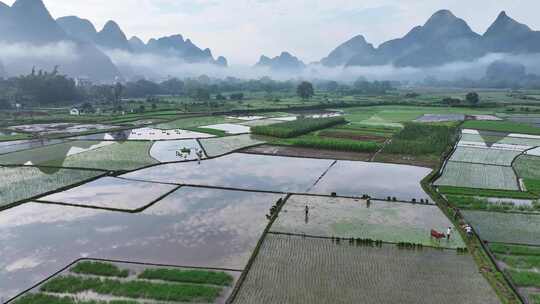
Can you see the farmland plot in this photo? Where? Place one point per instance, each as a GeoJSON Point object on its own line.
{"type": "Point", "coordinates": [478, 176]}
{"type": "Point", "coordinates": [223, 145]}
{"type": "Point", "coordinates": [24, 182]}
{"type": "Point", "coordinates": [346, 218]}
{"type": "Point", "coordinates": [505, 227]}
{"type": "Point", "coordinates": [113, 193]}
{"type": "Point", "coordinates": [19, 145]}
{"type": "Point", "coordinates": [528, 166]}
{"type": "Point", "coordinates": [51, 154]}
{"type": "Point", "coordinates": [192, 226]}
{"type": "Point", "coordinates": [305, 270]}
{"type": "Point", "coordinates": [485, 156]}
{"type": "Point", "coordinates": [119, 156]}
{"type": "Point", "coordinates": [229, 128]}
{"type": "Point", "coordinates": [503, 139]}
{"type": "Point", "coordinates": [175, 150]}
{"type": "Point", "coordinates": [240, 171]}
{"type": "Point", "coordinates": [352, 178]}
{"type": "Point", "coordinates": [91, 281]}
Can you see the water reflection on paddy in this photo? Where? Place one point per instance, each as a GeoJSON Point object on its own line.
{"type": "Point", "coordinates": [113, 193]}
{"type": "Point", "coordinates": [191, 227]}
{"type": "Point", "coordinates": [242, 171]}
{"type": "Point", "coordinates": [175, 150]}
{"type": "Point", "coordinates": [354, 178]}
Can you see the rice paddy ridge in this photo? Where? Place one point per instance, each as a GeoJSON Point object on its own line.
{"type": "Point", "coordinates": [346, 240]}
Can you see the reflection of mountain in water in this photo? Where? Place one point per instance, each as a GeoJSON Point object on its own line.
{"type": "Point", "coordinates": [113, 136]}
{"type": "Point", "coordinates": [491, 138]}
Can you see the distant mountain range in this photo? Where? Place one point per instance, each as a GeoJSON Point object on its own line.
{"type": "Point", "coordinates": [444, 38]}
{"type": "Point", "coordinates": [284, 62]}
{"type": "Point", "coordinates": [29, 22]}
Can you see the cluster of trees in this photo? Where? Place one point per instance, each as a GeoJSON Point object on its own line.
{"type": "Point", "coordinates": [471, 99]}
{"type": "Point", "coordinates": [38, 88]}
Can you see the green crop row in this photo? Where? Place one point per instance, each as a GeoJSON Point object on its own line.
{"type": "Point", "coordinates": [99, 269]}
{"type": "Point", "coordinates": [474, 203]}
{"type": "Point", "coordinates": [40, 298]}
{"type": "Point", "coordinates": [133, 289]}
{"type": "Point", "coordinates": [298, 127]}
{"type": "Point", "coordinates": [449, 190]}
{"type": "Point", "coordinates": [335, 144]}
{"type": "Point", "coordinates": [188, 276]}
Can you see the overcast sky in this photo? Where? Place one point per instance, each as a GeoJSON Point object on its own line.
{"type": "Point", "coordinates": [242, 30]}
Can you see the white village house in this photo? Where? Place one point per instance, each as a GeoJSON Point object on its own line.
{"type": "Point", "coordinates": [75, 112]}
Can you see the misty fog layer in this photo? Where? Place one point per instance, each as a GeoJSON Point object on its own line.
{"type": "Point", "coordinates": [19, 58]}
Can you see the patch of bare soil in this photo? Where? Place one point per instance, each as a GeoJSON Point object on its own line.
{"type": "Point", "coordinates": [307, 152]}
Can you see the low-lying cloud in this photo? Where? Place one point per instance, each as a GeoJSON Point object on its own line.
{"type": "Point", "coordinates": [19, 58]}
{"type": "Point", "coordinates": [156, 66]}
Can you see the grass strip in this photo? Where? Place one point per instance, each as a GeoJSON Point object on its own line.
{"type": "Point", "coordinates": [515, 249]}
{"type": "Point", "coordinates": [188, 276]}
{"type": "Point", "coordinates": [100, 269]}
{"type": "Point", "coordinates": [525, 278]}
{"type": "Point", "coordinates": [133, 289]}
{"type": "Point", "coordinates": [501, 126]}
{"type": "Point", "coordinates": [40, 298]}
{"type": "Point", "coordinates": [298, 127]}
{"type": "Point", "coordinates": [534, 298]}
{"type": "Point", "coordinates": [450, 190]}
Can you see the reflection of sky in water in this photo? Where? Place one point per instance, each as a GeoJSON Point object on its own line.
{"type": "Point", "coordinates": [191, 227]}
{"type": "Point", "coordinates": [348, 178]}
{"type": "Point", "coordinates": [245, 171]}
{"type": "Point", "coordinates": [146, 134]}
{"type": "Point", "coordinates": [111, 192]}
{"type": "Point", "coordinates": [230, 128]}
{"type": "Point", "coordinates": [166, 151]}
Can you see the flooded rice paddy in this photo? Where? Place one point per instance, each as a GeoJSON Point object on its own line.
{"type": "Point", "coordinates": [58, 128]}
{"type": "Point", "coordinates": [191, 227]}
{"type": "Point", "coordinates": [223, 145]}
{"type": "Point", "coordinates": [289, 174]}
{"type": "Point", "coordinates": [241, 171]}
{"type": "Point", "coordinates": [379, 220]}
{"type": "Point", "coordinates": [112, 193]}
{"type": "Point", "coordinates": [378, 180]}
{"type": "Point", "coordinates": [146, 134]}
{"type": "Point", "coordinates": [230, 128]}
